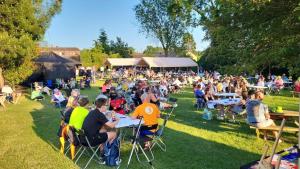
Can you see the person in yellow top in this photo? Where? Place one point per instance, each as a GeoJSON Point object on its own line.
{"type": "Point", "coordinates": [150, 114]}
{"type": "Point", "coordinates": [219, 87]}
{"type": "Point", "coordinates": [79, 113]}
{"type": "Point", "coordinates": [73, 99]}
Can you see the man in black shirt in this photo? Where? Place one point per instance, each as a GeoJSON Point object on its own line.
{"type": "Point", "coordinates": [94, 123]}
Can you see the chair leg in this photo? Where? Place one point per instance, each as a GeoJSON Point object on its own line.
{"type": "Point", "coordinates": [84, 149]}
{"type": "Point", "coordinates": [94, 153]}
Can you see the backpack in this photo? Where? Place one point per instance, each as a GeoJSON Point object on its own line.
{"type": "Point", "coordinates": [207, 115]}
{"type": "Point", "coordinates": [112, 153]}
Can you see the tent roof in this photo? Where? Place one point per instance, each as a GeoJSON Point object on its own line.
{"type": "Point", "coordinates": [51, 57]}
{"type": "Point", "coordinates": [170, 62]}
{"type": "Point", "coordinates": [122, 61]}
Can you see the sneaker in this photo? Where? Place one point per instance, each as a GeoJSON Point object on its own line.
{"type": "Point", "coordinates": [101, 161]}
{"type": "Point", "coordinates": [119, 161]}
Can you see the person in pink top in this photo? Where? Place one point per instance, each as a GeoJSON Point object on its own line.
{"type": "Point", "coordinates": [279, 83]}
{"type": "Point", "coordinates": [106, 86]}
{"type": "Point", "coordinates": [297, 85]}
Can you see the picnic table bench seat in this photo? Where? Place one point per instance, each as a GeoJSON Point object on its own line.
{"type": "Point", "coordinates": [274, 128]}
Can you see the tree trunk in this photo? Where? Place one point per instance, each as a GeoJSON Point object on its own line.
{"type": "Point", "coordinates": [1, 79]}
{"type": "Point", "coordinates": [166, 52]}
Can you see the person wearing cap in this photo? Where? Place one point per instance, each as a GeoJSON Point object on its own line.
{"type": "Point", "coordinates": [79, 113]}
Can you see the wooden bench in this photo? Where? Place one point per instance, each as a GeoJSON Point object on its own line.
{"type": "Point", "coordinates": [273, 128]}
{"type": "Point", "coordinates": [295, 93]}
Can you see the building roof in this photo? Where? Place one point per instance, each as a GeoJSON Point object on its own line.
{"type": "Point", "coordinates": [60, 49]}
{"type": "Point", "coordinates": [52, 57]}
{"type": "Point", "coordinates": [170, 62]}
{"type": "Point", "coordinates": [122, 61]}
{"type": "Point", "coordinates": [152, 62]}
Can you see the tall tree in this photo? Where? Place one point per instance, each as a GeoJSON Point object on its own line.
{"type": "Point", "coordinates": [121, 47]}
{"type": "Point", "coordinates": [155, 21]}
{"type": "Point", "coordinates": [22, 24]}
{"type": "Point", "coordinates": [152, 51]}
{"type": "Point", "coordinates": [248, 35]}
{"type": "Point", "coordinates": [103, 42]}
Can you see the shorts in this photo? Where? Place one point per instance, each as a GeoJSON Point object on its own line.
{"type": "Point", "coordinates": [265, 123]}
{"type": "Point", "coordinates": [99, 139]}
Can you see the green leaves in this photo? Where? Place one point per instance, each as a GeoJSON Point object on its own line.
{"type": "Point", "coordinates": [22, 24]}
{"type": "Point", "coordinates": [155, 20]}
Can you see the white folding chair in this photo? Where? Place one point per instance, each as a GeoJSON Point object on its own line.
{"type": "Point", "coordinates": [157, 137]}
{"type": "Point", "coordinates": [137, 147]}
{"type": "Point", "coordinates": [86, 146]}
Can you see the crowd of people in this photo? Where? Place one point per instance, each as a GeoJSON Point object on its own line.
{"type": "Point", "coordinates": [144, 92]}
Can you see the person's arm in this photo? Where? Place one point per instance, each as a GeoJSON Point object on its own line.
{"type": "Point", "coordinates": [112, 124]}
{"type": "Point", "coordinates": [267, 114]}
{"type": "Point", "coordinates": [135, 114]}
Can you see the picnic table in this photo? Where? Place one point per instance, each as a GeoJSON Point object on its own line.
{"type": "Point", "coordinates": [226, 95]}
{"type": "Point", "coordinates": [257, 87]}
{"type": "Point", "coordinates": [225, 102]}
{"type": "Point", "coordinates": [126, 121]}
{"type": "Point", "coordinates": [154, 81]}
{"type": "Point", "coordinates": [286, 114]}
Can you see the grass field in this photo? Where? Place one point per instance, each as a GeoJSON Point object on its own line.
{"type": "Point", "coordinates": [28, 137]}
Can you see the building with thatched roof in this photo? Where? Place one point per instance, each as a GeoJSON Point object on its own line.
{"type": "Point", "coordinates": [56, 63]}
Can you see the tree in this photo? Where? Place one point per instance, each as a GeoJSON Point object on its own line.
{"type": "Point", "coordinates": [251, 36]}
{"type": "Point", "coordinates": [22, 24]}
{"type": "Point", "coordinates": [93, 57]}
{"type": "Point", "coordinates": [155, 21]}
{"type": "Point", "coordinates": [102, 42]}
{"type": "Point", "coordinates": [121, 48]}
{"type": "Point", "coordinates": [152, 51]}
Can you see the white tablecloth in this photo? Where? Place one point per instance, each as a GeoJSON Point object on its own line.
{"type": "Point", "coordinates": [257, 87]}
{"type": "Point", "coordinates": [226, 94]}
{"type": "Point", "coordinates": [225, 102]}
{"type": "Point", "coordinates": [126, 121]}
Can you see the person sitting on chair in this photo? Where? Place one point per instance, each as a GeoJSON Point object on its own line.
{"type": "Point", "coordinates": [58, 98]}
{"type": "Point", "coordinates": [258, 113]}
{"type": "Point", "coordinates": [95, 124]}
{"type": "Point", "coordinates": [37, 94]}
{"type": "Point", "coordinates": [79, 113]}
{"type": "Point", "coordinates": [150, 114]}
{"type": "Point", "coordinates": [279, 84]}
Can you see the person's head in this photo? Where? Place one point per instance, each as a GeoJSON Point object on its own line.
{"type": "Point", "coordinates": [75, 93]}
{"type": "Point", "coordinates": [244, 95]}
{"type": "Point", "coordinates": [298, 79]}
{"type": "Point", "coordinates": [145, 98]}
{"type": "Point", "coordinates": [259, 95]}
{"type": "Point", "coordinates": [199, 87]}
{"type": "Point", "coordinates": [251, 94]}
{"type": "Point", "coordinates": [113, 95]}
{"type": "Point", "coordinates": [56, 91]}
{"type": "Point", "coordinates": [100, 103]}
{"type": "Point", "coordinates": [83, 101]}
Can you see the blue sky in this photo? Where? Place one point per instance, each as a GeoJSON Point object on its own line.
{"type": "Point", "coordinates": [80, 21]}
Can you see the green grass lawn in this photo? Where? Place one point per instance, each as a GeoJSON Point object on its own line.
{"type": "Point", "coordinates": [29, 139]}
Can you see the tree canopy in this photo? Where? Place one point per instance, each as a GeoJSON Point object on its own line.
{"type": "Point", "coordinates": [247, 36]}
{"type": "Point", "coordinates": [22, 24]}
{"type": "Point", "coordinates": [154, 19]}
